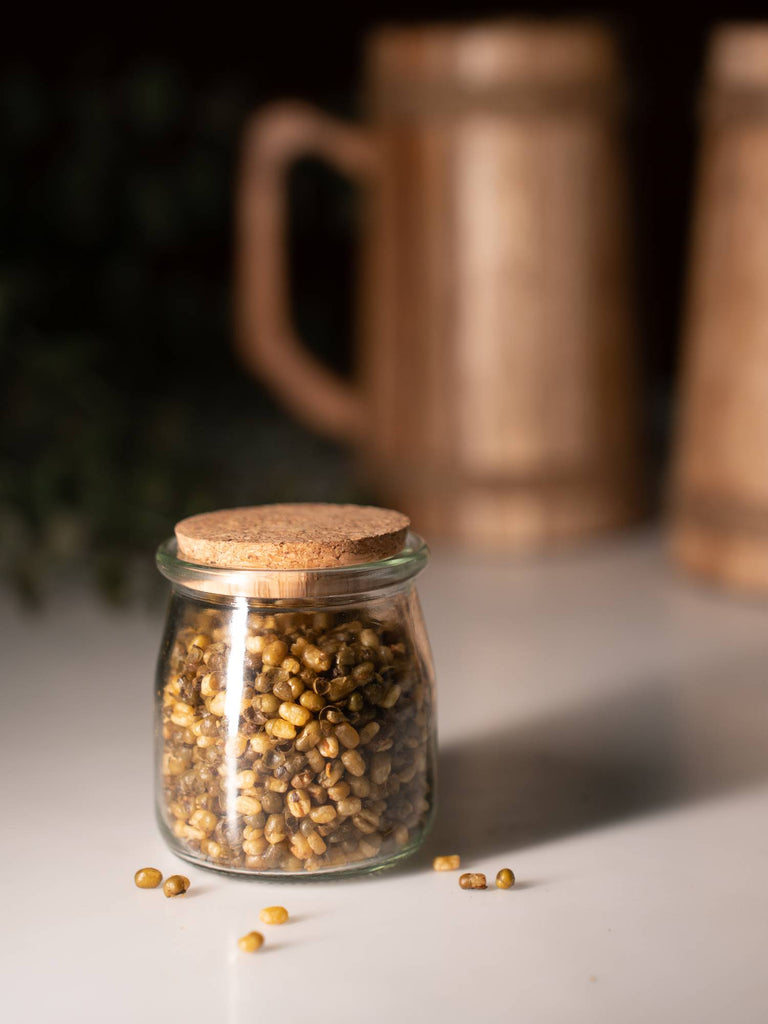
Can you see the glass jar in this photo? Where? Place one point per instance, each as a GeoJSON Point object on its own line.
{"type": "Point", "coordinates": [295, 734]}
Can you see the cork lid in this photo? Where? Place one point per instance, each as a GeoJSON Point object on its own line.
{"type": "Point", "coordinates": [297, 536]}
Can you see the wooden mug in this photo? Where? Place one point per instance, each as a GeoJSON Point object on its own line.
{"type": "Point", "coordinates": [719, 486]}
{"type": "Point", "coordinates": [495, 399]}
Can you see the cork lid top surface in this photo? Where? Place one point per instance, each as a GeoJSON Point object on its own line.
{"type": "Point", "coordinates": [298, 536]}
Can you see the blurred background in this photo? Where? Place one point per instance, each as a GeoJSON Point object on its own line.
{"type": "Point", "coordinates": [124, 406]}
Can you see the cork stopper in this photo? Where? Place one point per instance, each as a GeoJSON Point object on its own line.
{"type": "Point", "coordinates": [300, 536]}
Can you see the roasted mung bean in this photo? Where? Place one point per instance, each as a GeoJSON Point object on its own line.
{"type": "Point", "coordinates": [473, 880]}
{"type": "Point", "coordinates": [175, 885]}
{"type": "Point", "coordinates": [450, 862]}
{"type": "Point", "coordinates": [251, 943]}
{"type": "Point", "coordinates": [273, 915]}
{"type": "Point", "coordinates": [505, 879]}
{"type": "Point", "coordinates": [148, 878]}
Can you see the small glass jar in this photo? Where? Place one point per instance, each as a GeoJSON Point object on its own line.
{"type": "Point", "coordinates": [295, 733]}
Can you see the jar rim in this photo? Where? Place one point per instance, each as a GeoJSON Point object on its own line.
{"type": "Point", "coordinates": [277, 584]}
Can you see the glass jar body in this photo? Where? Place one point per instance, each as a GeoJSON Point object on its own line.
{"type": "Point", "coordinates": [295, 739]}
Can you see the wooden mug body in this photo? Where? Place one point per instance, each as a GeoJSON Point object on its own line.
{"type": "Point", "coordinates": [496, 332]}
{"type": "Point", "coordinates": [719, 497]}
{"type": "Point", "coordinates": [496, 395]}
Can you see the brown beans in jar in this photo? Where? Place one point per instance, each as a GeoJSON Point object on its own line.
{"type": "Point", "coordinates": [299, 741]}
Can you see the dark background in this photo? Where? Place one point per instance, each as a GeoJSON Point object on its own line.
{"type": "Point", "coordinates": [123, 407]}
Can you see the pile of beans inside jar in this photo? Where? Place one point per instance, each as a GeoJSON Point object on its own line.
{"type": "Point", "coordinates": [321, 758]}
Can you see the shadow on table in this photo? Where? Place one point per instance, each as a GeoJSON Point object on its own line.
{"type": "Point", "coordinates": [599, 762]}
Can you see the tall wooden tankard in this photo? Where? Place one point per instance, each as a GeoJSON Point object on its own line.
{"type": "Point", "coordinates": [719, 495]}
{"type": "Point", "coordinates": [495, 398]}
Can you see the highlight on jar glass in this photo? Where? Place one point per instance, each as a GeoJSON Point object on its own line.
{"type": "Point", "coordinates": [295, 707]}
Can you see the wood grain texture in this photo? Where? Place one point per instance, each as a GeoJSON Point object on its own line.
{"type": "Point", "coordinates": [719, 490]}
{"type": "Point", "coordinates": [495, 360]}
{"type": "Point", "coordinates": [495, 332]}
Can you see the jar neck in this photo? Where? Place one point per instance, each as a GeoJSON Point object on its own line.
{"type": "Point", "coordinates": [340, 585]}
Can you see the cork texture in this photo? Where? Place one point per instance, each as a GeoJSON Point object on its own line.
{"type": "Point", "coordinates": [300, 536]}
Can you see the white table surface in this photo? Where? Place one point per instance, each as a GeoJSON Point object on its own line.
{"type": "Point", "coordinates": [604, 732]}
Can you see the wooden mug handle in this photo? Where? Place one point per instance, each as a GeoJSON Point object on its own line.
{"type": "Point", "coordinates": [264, 332]}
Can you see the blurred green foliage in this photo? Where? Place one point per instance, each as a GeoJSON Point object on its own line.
{"type": "Point", "coordinates": [122, 408]}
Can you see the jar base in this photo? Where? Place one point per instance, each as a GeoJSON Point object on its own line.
{"type": "Point", "coordinates": [372, 865]}
{"type": "Point", "coordinates": [363, 867]}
